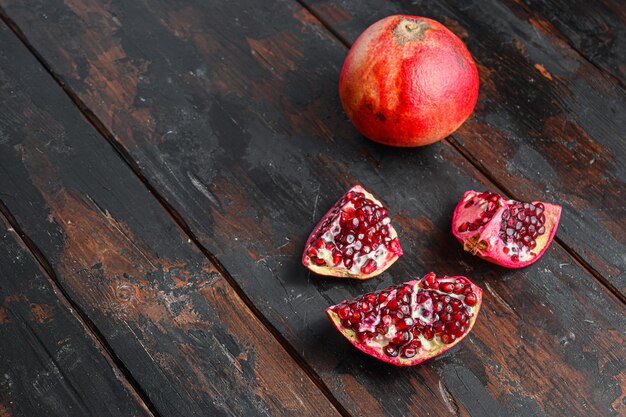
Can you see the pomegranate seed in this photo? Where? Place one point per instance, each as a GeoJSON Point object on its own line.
{"type": "Point", "coordinates": [347, 262]}
{"type": "Point", "coordinates": [391, 351]}
{"type": "Point", "coordinates": [409, 352]}
{"type": "Point", "coordinates": [438, 327]}
{"type": "Point", "coordinates": [369, 267]}
{"type": "Point", "coordinates": [336, 258]}
{"type": "Point", "coordinates": [393, 304]}
{"type": "Point", "coordinates": [447, 287]}
{"type": "Point", "coordinates": [319, 243]}
{"type": "Point", "coordinates": [362, 336]}
{"type": "Point", "coordinates": [318, 261]}
{"type": "Point", "coordinates": [463, 227]}
{"type": "Point", "coordinates": [448, 338]}
{"type": "Point", "coordinates": [430, 279]}
{"type": "Point", "coordinates": [461, 331]}
{"type": "Point", "coordinates": [394, 245]}
{"type": "Point", "coordinates": [401, 337]}
{"type": "Point", "coordinates": [451, 327]}
{"type": "Point", "coordinates": [343, 312]}
{"type": "Point", "coordinates": [404, 324]}
{"type": "Point", "coordinates": [470, 299]}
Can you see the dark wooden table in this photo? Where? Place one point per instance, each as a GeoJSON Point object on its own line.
{"type": "Point", "coordinates": [163, 161]}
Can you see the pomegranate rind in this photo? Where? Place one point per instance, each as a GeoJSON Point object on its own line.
{"type": "Point", "coordinates": [341, 272]}
{"type": "Point", "coordinates": [424, 353]}
{"type": "Point", "coordinates": [485, 242]}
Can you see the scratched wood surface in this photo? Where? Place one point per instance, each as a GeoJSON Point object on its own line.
{"type": "Point", "coordinates": [596, 29]}
{"type": "Point", "coordinates": [174, 323]}
{"type": "Point", "coordinates": [229, 110]}
{"type": "Point", "coordinates": [51, 366]}
{"type": "Point", "coordinates": [549, 125]}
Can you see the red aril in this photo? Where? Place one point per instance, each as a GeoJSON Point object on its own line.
{"type": "Point", "coordinates": [355, 239]}
{"type": "Point", "coordinates": [506, 232]}
{"type": "Point", "coordinates": [411, 322]}
{"type": "Point", "coordinates": [408, 81]}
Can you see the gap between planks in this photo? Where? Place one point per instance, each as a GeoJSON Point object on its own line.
{"type": "Point", "coordinates": [97, 124]}
{"type": "Point", "coordinates": [502, 189]}
{"type": "Point", "coordinates": [122, 372]}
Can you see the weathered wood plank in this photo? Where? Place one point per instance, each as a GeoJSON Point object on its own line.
{"type": "Point", "coordinates": [548, 124]}
{"type": "Point", "coordinates": [596, 29]}
{"type": "Point", "coordinates": [230, 110]}
{"type": "Point", "coordinates": [181, 330]}
{"type": "Point", "coordinates": [51, 366]}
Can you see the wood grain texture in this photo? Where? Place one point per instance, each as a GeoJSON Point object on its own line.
{"type": "Point", "coordinates": [548, 124]}
{"type": "Point", "coordinates": [177, 325]}
{"type": "Point", "coordinates": [230, 110]}
{"type": "Point", "coordinates": [596, 29]}
{"type": "Point", "coordinates": [50, 365]}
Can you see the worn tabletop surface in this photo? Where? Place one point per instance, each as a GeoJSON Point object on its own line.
{"type": "Point", "coordinates": [163, 162]}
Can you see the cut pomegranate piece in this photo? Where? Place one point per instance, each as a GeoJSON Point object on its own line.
{"type": "Point", "coordinates": [411, 322]}
{"type": "Point", "coordinates": [354, 239]}
{"type": "Point", "coordinates": [506, 232]}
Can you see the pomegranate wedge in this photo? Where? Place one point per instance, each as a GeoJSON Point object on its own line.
{"type": "Point", "coordinates": [506, 232]}
{"type": "Point", "coordinates": [355, 239]}
{"type": "Point", "coordinates": [411, 322]}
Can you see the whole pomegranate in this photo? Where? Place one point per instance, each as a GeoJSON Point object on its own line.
{"type": "Point", "coordinates": [408, 323]}
{"type": "Point", "coordinates": [408, 81]}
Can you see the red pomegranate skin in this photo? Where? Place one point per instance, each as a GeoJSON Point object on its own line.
{"type": "Point", "coordinates": [408, 81]}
